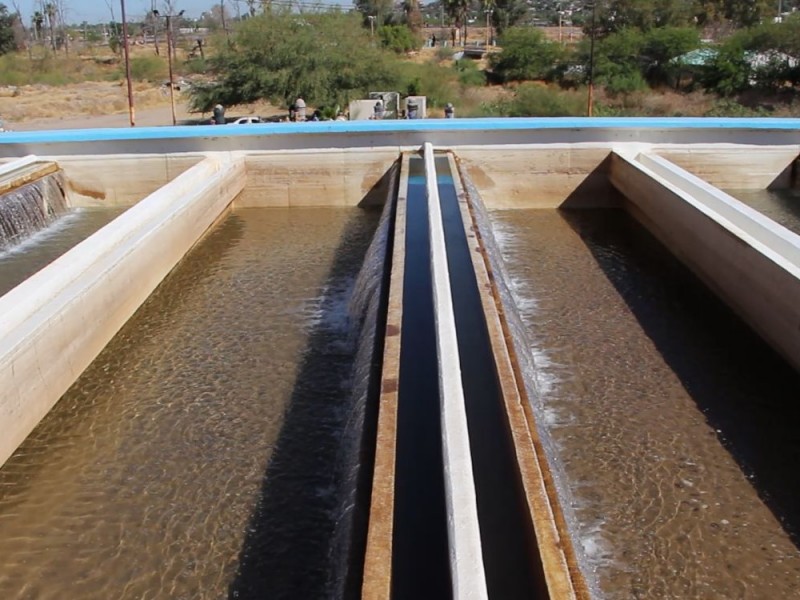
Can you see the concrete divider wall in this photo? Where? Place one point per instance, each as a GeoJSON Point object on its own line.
{"type": "Point", "coordinates": [736, 167]}
{"type": "Point", "coordinates": [55, 323]}
{"type": "Point", "coordinates": [540, 176]}
{"type": "Point", "coordinates": [750, 262]}
{"type": "Point", "coordinates": [333, 177]}
{"type": "Point", "coordinates": [119, 179]}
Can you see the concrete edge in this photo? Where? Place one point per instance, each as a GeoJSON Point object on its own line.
{"type": "Point", "coordinates": [466, 553]}
{"type": "Point", "coordinates": [773, 239]}
{"type": "Point", "coordinates": [739, 271]}
{"type": "Point", "coordinates": [377, 578]}
{"type": "Point", "coordinates": [564, 579]}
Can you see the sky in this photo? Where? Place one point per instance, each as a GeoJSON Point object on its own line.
{"type": "Point", "coordinates": [96, 11]}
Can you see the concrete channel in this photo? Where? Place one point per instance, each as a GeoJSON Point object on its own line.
{"type": "Point", "coordinates": [463, 502]}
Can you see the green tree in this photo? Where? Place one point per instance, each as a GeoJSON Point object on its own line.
{"type": "Point", "coordinates": [526, 55]}
{"type": "Point", "coordinates": [397, 38]}
{"type": "Point", "coordinates": [325, 57]}
{"type": "Point", "coordinates": [507, 13]}
{"type": "Point", "coordinates": [380, 9]}
{"type": "Point", "coordinates": [661, 46]}
{"type": "Point", "coordinates": [7, 38]}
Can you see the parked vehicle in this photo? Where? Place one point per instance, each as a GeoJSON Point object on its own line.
{"type": "Point", "coordinates": [246, 121]}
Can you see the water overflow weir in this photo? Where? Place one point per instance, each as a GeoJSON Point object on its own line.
{"type": "Point", "coordinates": [408, 447]}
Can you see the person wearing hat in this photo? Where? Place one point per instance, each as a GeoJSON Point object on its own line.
{"type": "Point", "coordinates": [449, 111]}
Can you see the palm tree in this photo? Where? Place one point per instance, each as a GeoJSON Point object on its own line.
{"type": "Point", "coordinates": [458, 10]}
{"type": "Point", "coordinates": [50, 11]}
{"type": "Point", "coordinates": [38, 23]}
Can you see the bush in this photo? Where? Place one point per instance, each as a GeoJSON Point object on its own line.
{"type": "Point", "coordinates": [148, 68]}
{"type": "Point", "coordinates": [526, 55]}
{"type": "Point", "coordinates": [468, 73]}
{"type": "Point", "coordinates": [397, 38]}
{"type": "Point", "coordinates": [536, 100]}
{"type": "Point", "coordinates": [438, 83]}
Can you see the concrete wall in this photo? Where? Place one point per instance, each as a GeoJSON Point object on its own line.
{"type": "Point", "coordinates": [736, 167]}
{"type": "Point", "coordinates": [55, 323]}
{"type": "Point", "coordinates": [540, 176]}
{"type": "Point", "coordinates": [317, 178]}
{"type": "Point", "coordinates": [120, 180]}
{"type": "Point", "coordinates": [749, 261]}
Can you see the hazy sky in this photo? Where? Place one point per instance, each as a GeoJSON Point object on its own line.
{"type": "Point", "coordinates": [95, 11]}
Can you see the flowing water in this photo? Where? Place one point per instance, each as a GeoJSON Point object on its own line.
{"type": "Point", "coordinates": [195, 457]}
{"type": "Point", "coordinates": [29, 208]}
{"type": "Point", "coordinates": [672, 428]}
{"type": "Point", "coordinates": [39, 250]}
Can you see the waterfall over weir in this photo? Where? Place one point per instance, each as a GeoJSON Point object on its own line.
{"type": "Point", "coordinates": [30, 208]}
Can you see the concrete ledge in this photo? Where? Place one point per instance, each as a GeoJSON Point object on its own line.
{"type": "Point", "coordinates": [466, 553]}
{"type": "Point", "coordinates": [20, 172]}
{"type": "Point", "coordinates": [750, 261]}
{"type": "Point", "coordinates": [736, 167]}
{"type": "Point", "coordinates": [556, 553]}
{"type": "Point", "coordinates": [55, 323]}
{"type": "Point", "coordinates": [377, 581]}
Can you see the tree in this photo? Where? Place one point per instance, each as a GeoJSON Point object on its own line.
{"type": "Point", "coordinates": [7, 38]}
{"type": "Point", "coordinates": [458, 10]}
{"type": "Point", "coordinates": [526, 55]}
{"type": "Point", "coordinates": [507, 13]}
{"type": "Point", "coordinates": [380, 9]}
{"type": "Point", "coordinates": [327, 58]}
{"type": "Point", "coordinates": [50, 13]}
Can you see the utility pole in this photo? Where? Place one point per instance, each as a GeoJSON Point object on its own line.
{"type": "Point", "coordinates": [488, 12]}
{"type": "Point", "coordinates": [131, 109]}
{"type": "Point", "coordinates": [589, 108]}
{"type": "Point", "coordinates": [371, 25]}
{"type": "Point", "coordinates": [169, 60]}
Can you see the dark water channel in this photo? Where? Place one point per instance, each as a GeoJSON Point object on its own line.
{"type": "Point", "coordinates": [195, 457]}
{"type": "Point", "coordinates": [675, 428]}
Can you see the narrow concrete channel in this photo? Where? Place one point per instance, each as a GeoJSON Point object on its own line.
{"type": "Point", "coordinates": [420, 551]}
{"type": "Point", "coordinates": [507, 536]}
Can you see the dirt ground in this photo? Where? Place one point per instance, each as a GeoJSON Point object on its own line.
{"type": "Point", "coordinates": [100, 104]}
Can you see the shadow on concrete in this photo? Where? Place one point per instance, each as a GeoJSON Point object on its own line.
{"type": "Point", "coordinates": [746, 391]}
{"type": "Point", "coordinates": [595, 190]}
{"type": "Point", "coordinates": [285, 554]}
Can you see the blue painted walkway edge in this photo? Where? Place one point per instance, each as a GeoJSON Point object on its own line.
{"type": "Point", "coordinates": [422, 125]}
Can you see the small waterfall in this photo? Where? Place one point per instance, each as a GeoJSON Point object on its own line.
{"type": "Point", "coordinates": [30, 208]}
{"type": "Point", "coordinates": [525, 350]}
{"type": "Point", "coordinates": [356, 451]}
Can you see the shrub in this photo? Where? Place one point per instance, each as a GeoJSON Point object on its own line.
{"type": "Point", "coordinates": [468, 73]}
{"type": "Point", "coordinates": [148, 68]}
{"type": "Point", "coordinates": [526, 55]}
{"type": "Point", "coordinates": [397, 38]}
{"type": "Point", "coordinates": [535, 100]}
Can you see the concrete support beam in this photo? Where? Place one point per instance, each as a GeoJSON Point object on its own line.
{"type": "Point", "coordinates": [750, 261]}
{"type": "Point", "coordinates": [56, 322]}
{"type": "Point", "coordinates": [466, 554]}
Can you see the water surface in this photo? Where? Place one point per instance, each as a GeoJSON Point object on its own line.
{"type": "Point", "coordinates": [194, 457]}
{"type": "Point", "coordinates": [675, 427]}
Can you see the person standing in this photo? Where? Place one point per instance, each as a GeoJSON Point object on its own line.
{"type": "Point", "coordinates": [300, 109]}
{"type": "Point", "coordinates": [449, 111]}
{"type": "Point", "coordinates": [379, 109]}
